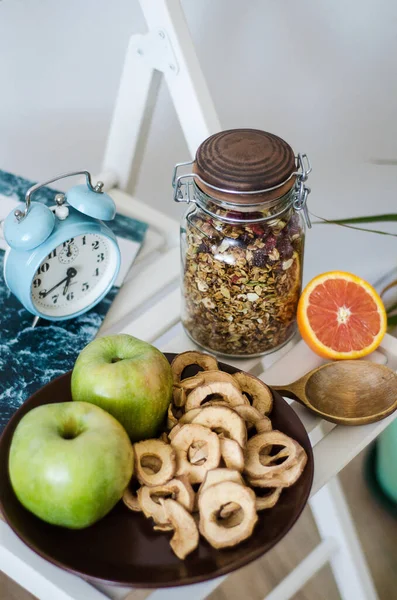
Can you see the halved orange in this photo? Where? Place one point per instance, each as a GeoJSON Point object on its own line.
{"type": "Point", "coordinates": [341, 316]}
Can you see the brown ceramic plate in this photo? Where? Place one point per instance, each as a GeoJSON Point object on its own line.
{"type": "Point", "coordinates": [122, 548]}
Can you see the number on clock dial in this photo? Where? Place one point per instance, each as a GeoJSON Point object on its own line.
{"type": "Point", "coordinates": [52, 290]}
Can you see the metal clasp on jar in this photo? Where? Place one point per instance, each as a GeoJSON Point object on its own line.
{"type": "Point", "coordinates": [302, 191]}
{"type": "Point", "coordinates": [182, 187]}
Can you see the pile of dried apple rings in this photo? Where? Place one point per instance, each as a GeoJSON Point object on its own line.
{"type": "Point", "coordinates": [219, 462]}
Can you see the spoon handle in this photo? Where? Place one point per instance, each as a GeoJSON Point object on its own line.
{"type": "Point", "coordinates": [290, 391]}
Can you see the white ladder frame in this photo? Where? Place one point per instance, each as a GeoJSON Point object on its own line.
{"type": "Point", "coordinates": [167, 50]}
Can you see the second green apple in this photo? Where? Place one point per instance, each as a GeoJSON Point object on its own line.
{"type": "Point", "coordinates": [127, 377]}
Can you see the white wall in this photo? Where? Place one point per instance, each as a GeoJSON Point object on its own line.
{"type": "Point", "coordinates": [321, 74]}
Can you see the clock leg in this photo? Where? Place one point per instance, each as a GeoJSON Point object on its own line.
{"type": "Point", "coordinates": [35, 321]}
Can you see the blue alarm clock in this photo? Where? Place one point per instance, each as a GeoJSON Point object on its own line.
{"type": "Point", "coordinates": [62, 260]}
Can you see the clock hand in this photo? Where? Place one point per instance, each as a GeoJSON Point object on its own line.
{"type": "Point", "coordinates": [70, 273]}
{"type": "Point", "coordinates": [44, 294]}
{"type": "Point", "coordinates": [65, 289]}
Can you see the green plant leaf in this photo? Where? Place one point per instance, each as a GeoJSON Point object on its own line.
{"type": "Point", "coordinates": [369, 219]}
{"type": "Point", "coordinates": [341, 223]}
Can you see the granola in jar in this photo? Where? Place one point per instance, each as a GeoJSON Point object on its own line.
{"type": "Point", "coordinates": [241, 282]}
{"type": "Point", "coordinates": [241, 266]}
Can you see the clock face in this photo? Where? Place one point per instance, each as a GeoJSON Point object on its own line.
{"type": "Point", "coordinates": [74, 275]}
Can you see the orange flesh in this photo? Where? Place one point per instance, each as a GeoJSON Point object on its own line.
{"type": "Point", "coordinates": [343, 315]}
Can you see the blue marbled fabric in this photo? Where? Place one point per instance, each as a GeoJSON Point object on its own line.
{"type": "Point", "coordinates": [30, 358]}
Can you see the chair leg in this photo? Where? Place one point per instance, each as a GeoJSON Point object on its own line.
{"type": "Point", "coordinates": [333, 519]}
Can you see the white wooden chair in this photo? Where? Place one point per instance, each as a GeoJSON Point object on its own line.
{"type": "Point", "coordinates": [148, 307]}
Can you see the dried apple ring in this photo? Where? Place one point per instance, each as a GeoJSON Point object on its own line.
{"type": "Point", "coordinates": [268, 501]}
{"type": "Point", "coordinates": [216, 476]}
{"type": "Point", "coordinates": [185, 359]}
{"type": "Point", "coordinates": [261, 395]}
{"type": "Point", "coordinates": [232, 454]}
{"type": "Point", "coordinates": [206, 377]}
{"type": "Point", "coordinates": [222, 419]}
{"type": "Point", "coordinates": [174, 430]}
{"type": "Point", "coordinates": [221, 533]}
{"type": "Point", "coordinates": [179, 396]}
{"type": "Point", "coordinates": [186, 535]}
{"type": "Point", "coordinates": [253, 465]}
{"type": "Point", "coordinates": [178, 489]}
{"type": "Point", "coordinates": [155, 462]}
{"type": "Point", "coordinates": [222, 389]}
{"type": "Point", "coordinates": [172, 418]}
{"type": "Point", "coordinates": [187, 436]}
{"type": "Point", "coordinates": [284, 478]}
{"type": "Point", "coordinates": [131, 500]}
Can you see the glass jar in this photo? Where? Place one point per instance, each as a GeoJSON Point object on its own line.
{"type": "Point", "coordinates": [242, 243]}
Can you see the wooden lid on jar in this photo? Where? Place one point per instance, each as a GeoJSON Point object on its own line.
{"type": "Point", "coordinates": [245, 166]}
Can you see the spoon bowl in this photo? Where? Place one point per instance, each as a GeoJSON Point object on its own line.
{"type": "Point", "coordinates": [350, 392]}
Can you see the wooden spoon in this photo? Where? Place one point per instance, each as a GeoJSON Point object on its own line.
{"type": "Point", "coordinates": [349, 392]}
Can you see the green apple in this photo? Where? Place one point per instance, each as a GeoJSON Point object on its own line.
{"type": "Point", "coordinates": [70, 463]}
{"type": "Point", "coordinates": [129, 378]}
